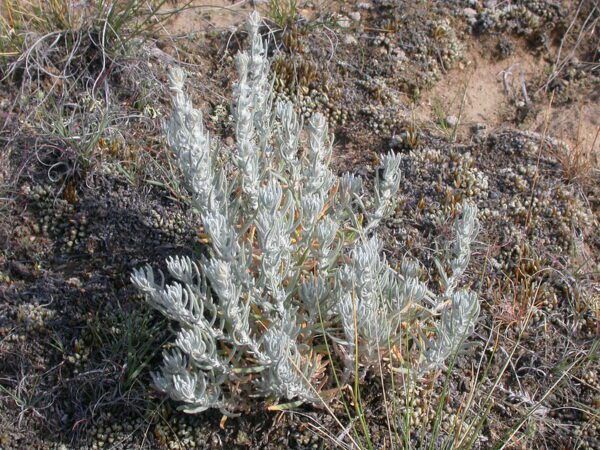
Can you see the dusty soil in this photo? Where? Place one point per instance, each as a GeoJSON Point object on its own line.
{"type": "Point", "coordinates": [466, 91]}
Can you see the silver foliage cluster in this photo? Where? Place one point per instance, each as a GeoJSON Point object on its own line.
{"type": "Point", "coordinates": [294, 259]}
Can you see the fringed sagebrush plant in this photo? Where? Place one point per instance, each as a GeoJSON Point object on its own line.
{"type": "Point", "coordinates": [294, 260]}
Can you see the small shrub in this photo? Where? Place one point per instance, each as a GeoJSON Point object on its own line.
{"type": "Point", "coordinates": [294, 260]}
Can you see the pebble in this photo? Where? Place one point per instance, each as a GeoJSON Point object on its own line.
{"type": "Point", "coordinates": [469, 12]}
{"type": "Point", "coordinates": [343, 22]}
{"type": "Point", "coordinates": [452, 121]}
{"type": "Point", "coordinates": [355, 15]}
{"type": "Point", "coordinates": [350, 40]}
{"type": "Point", "coordinates": [396, 141]}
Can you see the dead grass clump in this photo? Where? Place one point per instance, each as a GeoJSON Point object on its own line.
{"type": "Point", "coordinates": [581, 162]}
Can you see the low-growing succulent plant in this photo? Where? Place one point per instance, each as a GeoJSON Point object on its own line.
{"type": "Point", "coordinates": [294, 260]}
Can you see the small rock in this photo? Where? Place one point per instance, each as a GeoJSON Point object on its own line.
{"type": "Point", "coordinates": [399, 55]}
{"type": "Point", "coordinates": [452, 121]}
{"type": "Point", "coordinates": [75, 282]}
{"type": "Point", "coordinates": [478, 127]}
{"type": "Point", "coordinates": [364, 5]}
{"type": "Point", "coordinates": [343, 22]}
{"type": "Point", "coordinates": [350, 40]}
{"type": "Point", "coordinates": [396, 141]}
{"type": "Point", "coordinates": [355, 15]}
{"type": "Point", "coordinates": [469, 12]}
